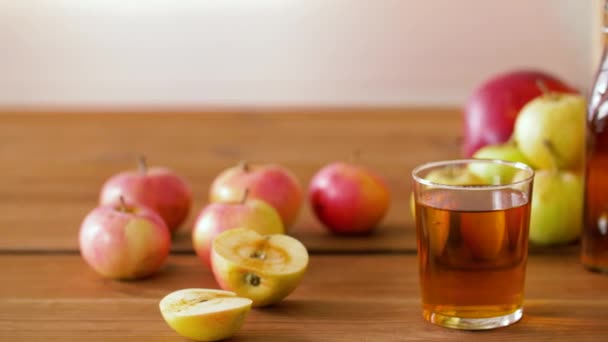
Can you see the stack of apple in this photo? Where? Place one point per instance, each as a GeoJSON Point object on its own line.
{"type": "Point", "coordinates": [534, 118]}
{"type": "Point", "coordinates": [240, 235]}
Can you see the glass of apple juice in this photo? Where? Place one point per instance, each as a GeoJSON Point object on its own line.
{"type": "Point", "coordinates": [472, 219]}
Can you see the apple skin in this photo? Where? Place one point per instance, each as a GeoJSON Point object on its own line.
{"type": "Point", "coordinates": [159, 189]}
{"type": "Point", "coordinates": [348, 199]}
{"type": "Point", "coordinates": [218, 217]}
{"type": "Point", "coordinates": [560, 120]}
{"type": "Point", "coordinates": [490, 112]}
{"type": "Point", "coordinates": [271, 183]}
{"type": "Point", "coordinates": [124, 244]}
{"type": "Point", "coordinates": [557, 207]}
{"type": "Point", "coordinates": [497, 174]}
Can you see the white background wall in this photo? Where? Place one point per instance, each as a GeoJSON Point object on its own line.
{"type": "Point", "coordinates": [282, 52]}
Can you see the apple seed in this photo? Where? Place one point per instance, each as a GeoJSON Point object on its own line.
{"type": "Point", "coordinates": [258, 255]}
{"type": "Point", "coordinates": [252, 279]}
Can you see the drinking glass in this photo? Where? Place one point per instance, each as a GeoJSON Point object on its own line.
{"type": "Point", "coordinates": [472, 220]}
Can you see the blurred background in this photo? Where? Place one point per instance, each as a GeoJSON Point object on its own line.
{"type": "Point", "coordinates": [124, 53]}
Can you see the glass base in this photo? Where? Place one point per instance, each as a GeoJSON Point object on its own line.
{"type": "Point", "coordinates": [473, 323]}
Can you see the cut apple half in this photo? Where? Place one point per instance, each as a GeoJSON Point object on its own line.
{"type": "Point", "coordinates": [263, 268]}
{"type": "Point", "coordinates": [204, 314]}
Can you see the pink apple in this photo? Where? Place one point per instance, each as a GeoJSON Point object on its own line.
{"type": "Point", "coordinates": [124, 241]}
{"type": "Point", "coordinates": [249, 213]}
{"type": "Point", "coordinates": [348, 198]}
{"type": "Point", "coordinates": [271, 183]}
{"type": "Point", "coordinates": [489, 116]}
{"type": "Point", "coordinates": [157, 188]}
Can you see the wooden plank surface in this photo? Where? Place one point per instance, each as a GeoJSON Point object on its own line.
{"type": "Point", "coordinates": [53, 164]}
{"type": "Point", "coordinates": [342, 298]}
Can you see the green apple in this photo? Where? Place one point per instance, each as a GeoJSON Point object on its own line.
{"type": "Point", "coordinates": [557, 207]}
{"type": "Point", "coordinates": [263, 268]}
{"type": "Point", "coordinates": [552, 122]}
{"type": "Point", "coordinates": [203, 314]}
{"type": "Point", "coordinates": [496, 173]}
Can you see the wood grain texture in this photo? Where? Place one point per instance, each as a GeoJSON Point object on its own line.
{"type": "Point", "coordinates": [342, 298]}
{"type": "Point", "coordinates": [54, 163]}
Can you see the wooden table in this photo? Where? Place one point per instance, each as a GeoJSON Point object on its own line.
{"type": "Point", "coordinates": [356, 289]}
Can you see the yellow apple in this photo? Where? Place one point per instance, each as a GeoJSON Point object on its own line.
{"type": "Point", "coordinates": [204, 314]}
{"type": "Point", "coordinates": [263, 268]}
{"type": "Point", "coordinates": [557, 207]}
{"type": "Point", "coordinates": [557, 121]}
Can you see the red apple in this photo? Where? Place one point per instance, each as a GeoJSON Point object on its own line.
{"type": "Point", "coordinates": [124, 241]}
{"type": "Point", "coordinates": [490, 112]}
{"type": "Point", "coordinates": [157, 188]}
{"type": "Point", "coordinates": [348, 198]}
{"type": "Point", "coordinates": [271, 183]}
{"type": "Point", "coordinates": [248, 213]}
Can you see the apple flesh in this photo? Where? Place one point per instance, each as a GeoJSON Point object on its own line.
{"type": "Point", "coordinates": [204, 314]}
{"type": "Point", "coordinates": [273, 184]}
{"type": "Point", "coordinates": [124, 241]}
{"type": "Point", "coordinates": [218, 217]}
{"type": "Point", "coordinates": [495, 173]}
{"type": "Point", "coordinates": [263, 268]}
{"type": "Point", "coordinates": [159, 189]}
{"type": "Point", "coordinates": [348, 199]}
{"type": "Point", "coordinates": [557, 207]}
{"type": "Point", "coordinates": [553, 121]}
{"type": "Point", "coordinates": [490, 112]}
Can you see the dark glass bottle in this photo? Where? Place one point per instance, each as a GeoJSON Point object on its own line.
{"type": "Point", "coordinates": [594, 239]}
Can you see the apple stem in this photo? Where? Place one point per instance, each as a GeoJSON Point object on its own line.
{"type": "Point", "coordinates": [544, 89]}
{"type": "Point", "coordinates": [245, 196]}
{"type": "Point", "coordinates": [552, 154]}
{"type": "Point", "coordinates": [123, 205]}
{"type": "Point", "coordinates": [142, 164]}
{"type": "Point", "coordinates": [244, 165]}
{"type": "Point", "coordinates": [258, 255]}
{"type": "Point", "coordinates": [252, 279]}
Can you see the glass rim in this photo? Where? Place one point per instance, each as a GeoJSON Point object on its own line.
{"type": "Point", "coordinates": [517, 165]}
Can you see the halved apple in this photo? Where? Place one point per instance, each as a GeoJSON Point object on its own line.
{"type": "Point", "coordinates": [204, 314]}
{"type": "Point", "coordinates": [263, 268]}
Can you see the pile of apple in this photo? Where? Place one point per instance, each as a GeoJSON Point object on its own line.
{"type": "Point", "coordinates": [534, 118]}
{"type": "Point", "coordinates": [239, 235]}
